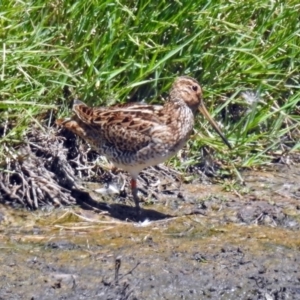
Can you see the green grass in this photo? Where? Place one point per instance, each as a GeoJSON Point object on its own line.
{"type": "Point", "coordinates": [116, 51]}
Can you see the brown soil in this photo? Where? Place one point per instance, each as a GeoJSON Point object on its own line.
{"type": "Point", "coordinates": [193, 241]}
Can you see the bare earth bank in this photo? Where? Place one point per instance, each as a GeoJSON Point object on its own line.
{"type": "Point", "coordinates": [210, 245]}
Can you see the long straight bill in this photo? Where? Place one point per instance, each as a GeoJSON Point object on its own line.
{"type": "Point", "coordinates": [206, 114]}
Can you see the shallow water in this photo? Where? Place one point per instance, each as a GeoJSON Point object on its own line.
{"type": "Point", "coordinates": [213, 244]}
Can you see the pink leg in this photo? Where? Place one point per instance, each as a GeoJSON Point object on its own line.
{"type": "Point", "coordinates": [134, 191]}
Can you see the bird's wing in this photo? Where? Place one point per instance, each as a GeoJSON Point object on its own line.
{"type": "Point", "coordinates": [126, 127]}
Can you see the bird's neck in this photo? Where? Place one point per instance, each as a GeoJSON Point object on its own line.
{"type": "Point", "coordinates": [180, 117]}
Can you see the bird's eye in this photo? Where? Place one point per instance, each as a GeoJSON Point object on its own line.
{"type": "Point", "coordinates": [195, 88]}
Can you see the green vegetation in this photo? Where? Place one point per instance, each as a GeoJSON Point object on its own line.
{"type": "Point", "coordinates": [108, 51]}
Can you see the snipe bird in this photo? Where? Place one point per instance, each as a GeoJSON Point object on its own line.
{"type": "Point", "coordinates": [134, 136]}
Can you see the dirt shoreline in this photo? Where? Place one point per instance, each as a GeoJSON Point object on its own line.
{"type": "Point", "coordinates": [216, 245]}
{"type": "Point", "coordinates": [192, 241]}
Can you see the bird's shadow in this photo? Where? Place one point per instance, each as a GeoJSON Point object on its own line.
{"type": "Point", "coordinates": [117, 211]}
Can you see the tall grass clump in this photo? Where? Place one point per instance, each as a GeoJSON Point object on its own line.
{"type": "Point", "coordinates": [245, 54]}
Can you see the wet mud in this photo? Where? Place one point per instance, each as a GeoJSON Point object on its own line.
{"type": "Point", "coordinates": [212, 242]}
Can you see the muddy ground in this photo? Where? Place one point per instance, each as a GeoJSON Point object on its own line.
{"type": "Point", "coordinates": [209, 244]}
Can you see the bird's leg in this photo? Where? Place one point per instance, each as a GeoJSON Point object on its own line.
{"type": "Point", "coordinates": [134, 191]}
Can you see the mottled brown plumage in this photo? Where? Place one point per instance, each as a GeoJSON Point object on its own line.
{"type": "Point", "coordinates": [134, 136]}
